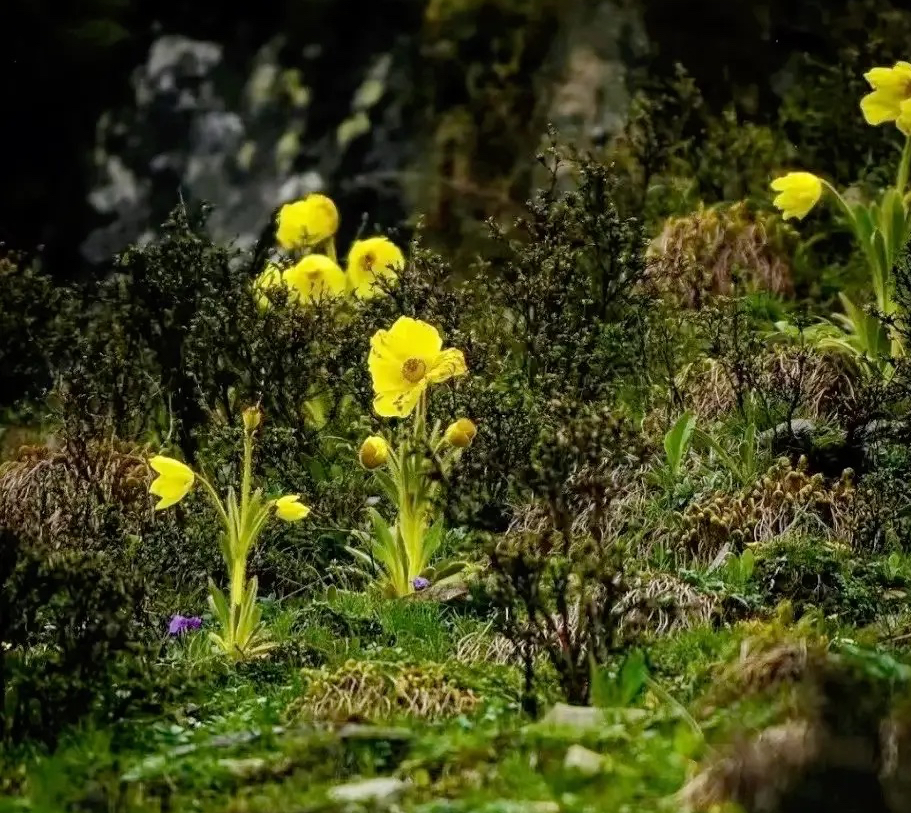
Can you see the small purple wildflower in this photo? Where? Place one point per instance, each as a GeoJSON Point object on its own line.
{"type": "Point", "coordinates": [181, 624]}
{"type": "Point", "coordinates": [420, 583]}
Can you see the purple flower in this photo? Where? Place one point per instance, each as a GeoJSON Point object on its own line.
{"type": "Point", "coordinates": [420, 583]}
{"type": "Point", "coordinates": [181, 624]}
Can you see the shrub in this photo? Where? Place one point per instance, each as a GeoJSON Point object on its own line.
{"type": "Point", "coordinates": [64, 619]}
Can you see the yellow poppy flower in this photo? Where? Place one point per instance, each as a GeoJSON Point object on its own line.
{"type": "Point", "coordinates": [374, 452]}
{"type": "Point", "coordinates": [174, 481]}
{"type": "Point", "coordinates": [404, 361]}
{"type": "Point", "coordinates": [315, 277]}
{"type": "Point", "coordinates": [798, 193]}
{"type": "Point", "coordinates": [269, 280]}
{"type": "Point", "coordinates": [306, 223]}
{"type": "Point", "coordinates": [460, 433]}
{"type": "Point", "coordinates": [290, 508]}
{"type": "Point", "coordinates": [376, 258]}
{"type": "Point", "coordinates": [891, 87]}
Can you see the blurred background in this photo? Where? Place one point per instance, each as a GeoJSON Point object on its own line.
{"type": "Point", "coordinates": [113, 110]}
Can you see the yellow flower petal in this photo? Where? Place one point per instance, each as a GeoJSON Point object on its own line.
{"type": "Point", "coordinates": [447, 364]}
{"type": "Point", "coordinates": [174, 481]}
{"type": "Point", "coordinates": [371, 260]}
{"type": "Point", "coordinates": [903, 121]}
{"type": "Point", "coordinates": [169, 467]}
{"type": "Point", "coordinates": [314, 278]}
{"type": "Point", "coordinates": [398, 403]}
{"type": "Point", "coordinates": [306, 223]}
{"type": "Point", "coordinates": [879, 108]}
{"type": "Point", "coordinates": [290, 509]}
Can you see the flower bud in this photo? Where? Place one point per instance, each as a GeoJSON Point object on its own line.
{"type": "Point", "coordinates": [252, 417]}
{"type": "Point", "coordinates": [374, 452]}
{"type": "Point", "coordinates": [460, 433]}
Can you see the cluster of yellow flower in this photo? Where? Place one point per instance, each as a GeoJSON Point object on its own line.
{"type": "Point", "coordinates": [310, 225]}
{"type": "Point", "coordinates": [889, 101]}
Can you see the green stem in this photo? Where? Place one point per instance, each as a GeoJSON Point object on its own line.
{"type": "Point", "coordinates": [903, 168]}
{"type": "Point", "coordinates": [216, 501]}
{"type": "Point", "coordinates": [247, 476]}
{"type": "Point", "coordinates": [238, 581]}
{"type": "Point", "coordinates": [840, 198]}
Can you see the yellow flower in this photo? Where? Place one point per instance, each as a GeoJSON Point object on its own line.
{"type": "Point", "coordinates": [315, 277]}
{"type": "Point", "coordinates": [891, 87]}
{"type": "Point", "coordinates": [460, 433]}
{"type": "Point", "coordinates": [374, 452]}
{"type": "Point", "coordinates": [269, 280]}
{"type": "Point", "coordinates": [798, 193]}
{"type": "Point", "coordinates": [404, 360]}
{"type": "Point", "coordinates": [174, 481]}
{"type": "Point", "coordinates": [306, 223]}
{"type": "Point", "coordinates": [376, 258]}
{"type": "Point", "coordinates": [290, 508]}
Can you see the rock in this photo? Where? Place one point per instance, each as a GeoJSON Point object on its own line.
{"type": "Point", "coordinates": [254, 767]}
{"type": "Point", "coordinates": [358, 731]}
{"type": "Point", "coordinates": [582, 718]}
{"type": "Point", "coordinates": [378, 790]}
{"type": "Point", "coordinates": [584, 761]}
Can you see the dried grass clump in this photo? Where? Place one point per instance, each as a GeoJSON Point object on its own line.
{"type": "Point", "coordinates": [55, 496]}
{"type": "Point", "coordinates": [825, 380]}
{"type": "Point", "coordinates": [379, 690]}
{"type": "Point", "coordinates": [782, 499]}
{"type": "Point", "coordinates": [713, 250]}
{"type": "Point", "coordinates": [661, 604]}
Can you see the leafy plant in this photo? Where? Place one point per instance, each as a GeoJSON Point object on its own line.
{"type": "Point", "coordinates": [677, 443]}
{"type": "Point", "coordinates": [403, 362]}
{"type": "Point", "coordinates": [242, 634]}
{"type": "Point", "coordinates": [881, 229]}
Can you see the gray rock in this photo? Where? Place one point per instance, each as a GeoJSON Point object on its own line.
{"type": "Point", "coordinates": [582, 718]}
{"type": "Point", "coordinates": [381, 789]}
{"type": "Point", "coordinates": [583, 761]}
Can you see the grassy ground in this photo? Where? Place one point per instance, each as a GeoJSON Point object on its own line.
{"type": "Point", "coordinates": [405, 691]}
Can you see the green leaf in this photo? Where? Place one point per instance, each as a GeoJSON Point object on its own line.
{"type": "Point", "coordinates": [677, 441]}
{"type": "Point", "coordinates": [632, 678]}
{"type": "Point", "coordinates": [431, 542]}
{"type": "Point", "coordinates": [387, 484]}
{"type": "Point", "coordinates": [219, 604]}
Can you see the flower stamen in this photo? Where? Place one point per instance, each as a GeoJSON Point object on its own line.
{"type": "Point", "coordinates": [413, 370]}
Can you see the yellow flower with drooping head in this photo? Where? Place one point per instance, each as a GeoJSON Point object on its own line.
{"type": "Point", "coordinates": [798, 193]}
{"type": "Point", "coordinates": [174, 481]}
{"type": "Point", "coordinates": [371, 260]}
{"type": "Point", "coordinates": [314, 278]}
{"type": "Point", "coordinates": [404, 361]}
{"type": "Point", "coordinates": [269, 280]}
{"type": "Point", "coordinates": [891, 87]}
{"type": "Point", "coordinates": [460, 433]}
{"type": "Point", "coordinates": [374, 452]}
{"type": "Point", "coordinates": [306, 223]}
{"type": "Point", "coordinates": [290, 508]}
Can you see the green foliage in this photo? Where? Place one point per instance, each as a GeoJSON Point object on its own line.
{"type": "Point", "coordinates": [64, 620]}
{"type": "Point", "coordinates": [31, 334]}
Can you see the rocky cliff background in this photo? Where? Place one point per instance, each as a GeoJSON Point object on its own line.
{"type": "Point", "coordinates": [113, 110]}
